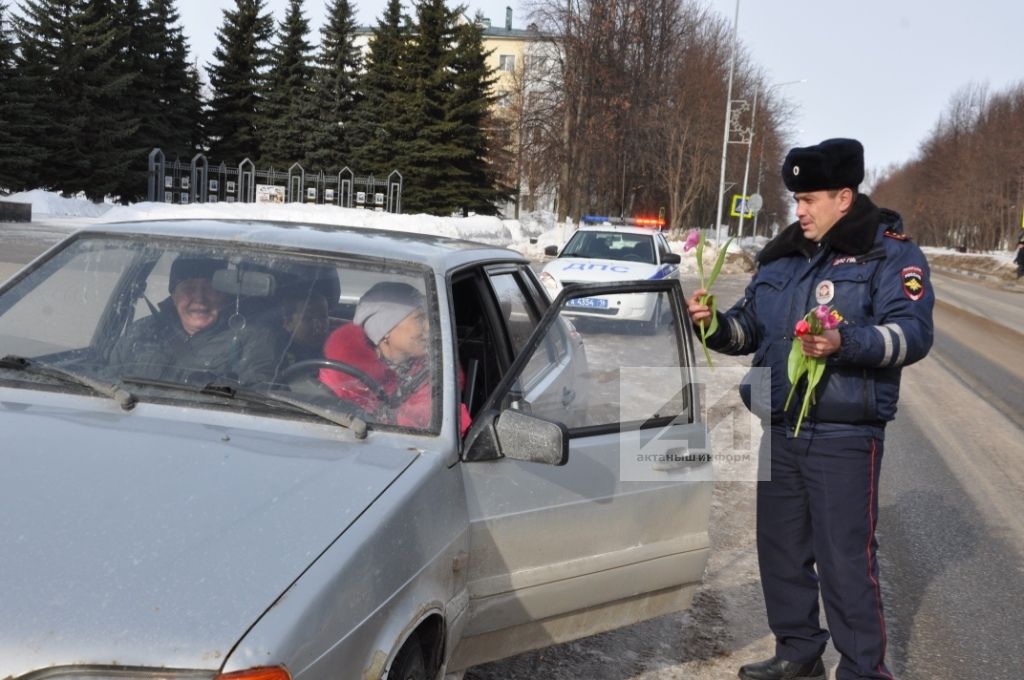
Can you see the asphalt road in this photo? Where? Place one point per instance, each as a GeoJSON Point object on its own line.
{"type": "Point", "coordinates": [951, 527]}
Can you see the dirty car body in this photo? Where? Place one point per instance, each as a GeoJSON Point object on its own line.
{"type": "Point", "coordinates": [170, 517]}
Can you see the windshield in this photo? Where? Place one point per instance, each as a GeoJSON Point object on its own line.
{"type": "Point", "coordinates": [609, 245]}
{"type": "Point", "coordinates": [156, 316]}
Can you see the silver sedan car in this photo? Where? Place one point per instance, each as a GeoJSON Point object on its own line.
{"type": "Point", "coordinates": [258, 451]}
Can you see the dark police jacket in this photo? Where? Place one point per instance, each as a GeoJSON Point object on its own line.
{"type": "Point", "coordinates": [876, 279]}
{"type": "Point", "coordinates": [158, 347]}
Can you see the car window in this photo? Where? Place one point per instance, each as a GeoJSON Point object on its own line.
{"type": "Point", "coordinates": [57, 307]}
{"type": "Point", "coordinates": [611, 245]}
{"type": "Point", "coordinates": [155, 314]}
{"type": "Point", "coordinates": [516, 309]}
{"type": "Point", "coordinates": [602, 380]}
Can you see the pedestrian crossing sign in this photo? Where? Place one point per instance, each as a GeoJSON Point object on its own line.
{"type": "Point", "coordinates": [741, 207]}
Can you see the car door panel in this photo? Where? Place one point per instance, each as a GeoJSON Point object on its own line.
{"type": "Point", "coordinates": [559, 552]}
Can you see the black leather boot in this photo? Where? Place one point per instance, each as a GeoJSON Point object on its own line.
{"type": "Point", "coordinates": [780, 669]}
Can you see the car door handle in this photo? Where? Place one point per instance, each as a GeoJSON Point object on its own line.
{"type": "Point", "coordinates": [680, 457]}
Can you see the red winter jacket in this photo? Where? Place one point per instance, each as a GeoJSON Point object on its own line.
{"type": "Point", "coordinates": [349, 344]}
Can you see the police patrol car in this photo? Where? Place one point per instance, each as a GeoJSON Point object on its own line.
{"type": "Point", "coordinates": [611, 252]}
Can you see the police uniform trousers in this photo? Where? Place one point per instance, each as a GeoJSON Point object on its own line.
{"type": "Point", "coordinates": [816, 527]}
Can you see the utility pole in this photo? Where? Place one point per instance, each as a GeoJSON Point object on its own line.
{"type": "Point", "coordinates": [728, 120]}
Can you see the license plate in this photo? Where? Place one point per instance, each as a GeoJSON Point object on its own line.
{"type": "Point", "coordinates": [600, 303]}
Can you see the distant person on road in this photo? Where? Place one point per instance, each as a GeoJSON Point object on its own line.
{"type": "Point", "coordinates": [188, 338]}
{"type": "Point", "coordinates": [817, 510]}
{"type": "Point", "coordinates": [1019, 260]}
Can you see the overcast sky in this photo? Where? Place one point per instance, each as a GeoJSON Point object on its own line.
{"type": "Point", "coordinates": [878, 70]}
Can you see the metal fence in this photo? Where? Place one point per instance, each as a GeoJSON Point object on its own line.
{"type": "Point", "coordinates": [198, 182]}
{"type": "Point", "coordinates": [11, 211]}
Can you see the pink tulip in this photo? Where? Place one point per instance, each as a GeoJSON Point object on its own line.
{"type": "Point", "coordinates": [829, 319]}
{"type": "Point", "coordinates": [692, 239]}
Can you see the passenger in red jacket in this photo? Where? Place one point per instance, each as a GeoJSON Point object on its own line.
{"type": "Point", "coordinates": [388, 341]}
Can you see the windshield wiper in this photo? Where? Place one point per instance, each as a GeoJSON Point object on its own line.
{"type": "Point", "coordinates": [114, 391]}
{"type": "Point", "coordinates": [354, 423]}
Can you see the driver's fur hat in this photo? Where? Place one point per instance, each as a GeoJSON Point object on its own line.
{"type": "Point", "coordinates": [187, 267]}
{"type": "Point", "coordinates": [832, 164]}
{"type": "Point", "coordinates": [384, 306]}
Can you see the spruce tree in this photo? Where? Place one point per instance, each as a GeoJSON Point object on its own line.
{"type": "Point", "coordinates": [289, 127]}
{"type": "Point", "coordinates": [103, 79]}
{"type": "Point", "coordinates": [45, 35]}
{"type": "Point", "coordinates": [431, 174]}
{"type": "Point", "coordinates": [71, 58]}
{"type": "Point", "coordinates": [135, 52]}
{"type": "Point", "coordinates": [335, 92]}
{"type": "Point", "coordinates": [176, 126]}
{"type": "Point", "coordinates": [20, 152]}
{"type": "Point", "coordinates": [237, 79]}
{"type": "Point", "coordinates": [469, 107]}
{"type": "Point", "coordinates": [382, 123]}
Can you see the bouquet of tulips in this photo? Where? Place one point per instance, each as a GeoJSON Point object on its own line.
{"type": "Point", "coordinates": [695, 239]}
{"type": "Point", "coordinates": [815, 322]}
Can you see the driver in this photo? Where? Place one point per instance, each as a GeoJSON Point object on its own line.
{"type": "Point", "coordinates": [188, 338]}
{"type": "Point", "coordinates": [387, 340]}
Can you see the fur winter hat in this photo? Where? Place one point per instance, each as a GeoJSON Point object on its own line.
{"type": "Point", "coordinates": [384, 306]}
{"type": "Point", "coordinates": [187, 267]}
{"type": "Point", "coordinates": [833, 164]}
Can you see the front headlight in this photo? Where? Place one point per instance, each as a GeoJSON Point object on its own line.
{"type": "Point", "coordinates": [550, 282]}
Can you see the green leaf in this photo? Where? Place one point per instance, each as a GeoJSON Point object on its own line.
{"type": "Point", "coordinates": [814, 373]}
{"type": "Point", "coordinates": [712, 325]}
{"type": "Point", "coordinates": [719, 261]}
{"type": "Point", "coordinates": [796, 366]}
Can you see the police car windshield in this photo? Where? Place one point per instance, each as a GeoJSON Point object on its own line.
{"type": "Point", "coordinates": [609, 245]}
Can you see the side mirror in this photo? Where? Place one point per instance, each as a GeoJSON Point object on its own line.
{"type": "Point", "coordinates": [551, 250]}
{"type": "Point", "coordinates": [671, 258]}
{"type": "Point", "coordinates": [511, 434]}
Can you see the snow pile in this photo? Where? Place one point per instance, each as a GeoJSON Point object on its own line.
{"type": "Point", "coordinates": [484, 229]}
{"type": "Point", "coordinates": [49, 203]}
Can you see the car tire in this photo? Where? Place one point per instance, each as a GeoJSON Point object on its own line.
{"type": "Point", "coordinates": [409, 665]}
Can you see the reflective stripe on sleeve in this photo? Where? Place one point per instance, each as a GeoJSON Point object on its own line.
{"type": "Point", "coordinates": [895, 345]}
{"type": "Point", "coordinates": [739, 338]}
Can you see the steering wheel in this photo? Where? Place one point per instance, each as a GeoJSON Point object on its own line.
{"type": "Point", "coordinates": [300, 367]}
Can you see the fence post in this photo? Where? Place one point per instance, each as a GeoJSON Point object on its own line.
{"type": "Point", "coordinates": [156, 176]}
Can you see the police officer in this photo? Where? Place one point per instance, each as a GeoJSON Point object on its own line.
{"type": "Point", "coordinates": [816, 513]}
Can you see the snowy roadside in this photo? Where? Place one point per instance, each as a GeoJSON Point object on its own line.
{"type": "Point", "coordinates": [529, 235]}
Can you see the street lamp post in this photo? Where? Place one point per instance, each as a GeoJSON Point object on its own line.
{"type": "Point", "coordinates": [746, 167]}
{"type": "Point", "coordinates": [760, 161]}
{"type": "Point", "coordinates": [725, 134]}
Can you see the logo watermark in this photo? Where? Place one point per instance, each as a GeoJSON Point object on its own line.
{"type": "Point", "coordinates": [708, 429]}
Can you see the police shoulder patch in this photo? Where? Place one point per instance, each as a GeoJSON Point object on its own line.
{"type": "Point", "coordinates": [913, 282]}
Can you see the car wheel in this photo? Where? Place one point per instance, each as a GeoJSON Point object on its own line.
{"type": "Point", "coordinates": [409, 664]}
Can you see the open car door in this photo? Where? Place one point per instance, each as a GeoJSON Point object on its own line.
{"type": "Point", "coordinates": [615, 531]}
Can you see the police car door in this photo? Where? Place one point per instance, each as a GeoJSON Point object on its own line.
{"type": "Point", "coordinates": [619, 533]}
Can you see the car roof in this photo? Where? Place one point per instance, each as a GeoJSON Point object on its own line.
{"type": "Point", "coordinates": [614, 228]}
{"type": "Point", "coordinates": [437, 252]}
